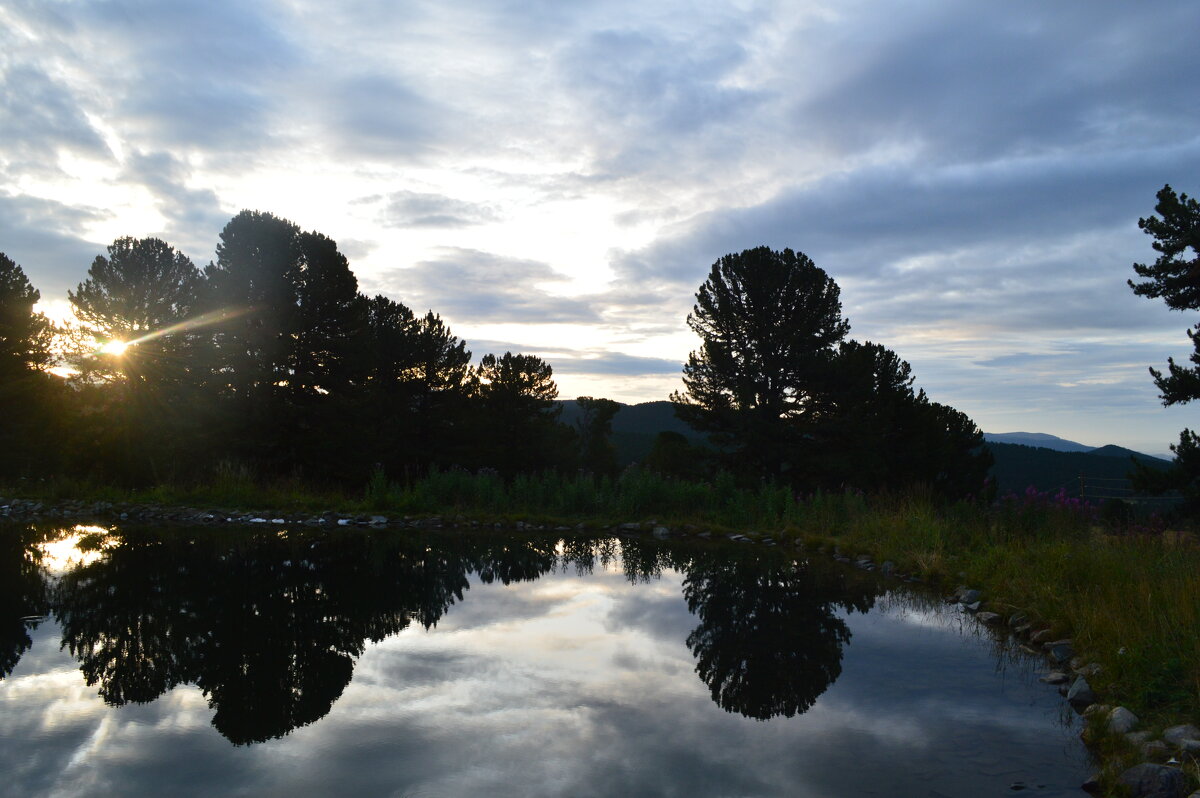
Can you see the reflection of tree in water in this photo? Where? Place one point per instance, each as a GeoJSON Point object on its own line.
{"type": "Point", "coordinates": [768, 642]}
{"type": "Point", "coordinates": [267, 626]}
{"type": "Point", "coordinates": [22, 595]}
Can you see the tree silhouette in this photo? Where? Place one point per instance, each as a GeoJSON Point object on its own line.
{"type": "Point", "coordinates": [138, 295]}
{"type": "Point", "coordinates": [1174, 277]}
{"type": "Point", "coordinates": [284, 350]}
{"type": "Point", "coordinates": [26, 421]}
{"type": "Point", "coordinates": [597, 454]}
{"type": "Point", "coordinates": [769, 324]}
{"type": "Point", "coordinates": [516, 406]}
{"type": "Point", "coordinates": [881, 434]}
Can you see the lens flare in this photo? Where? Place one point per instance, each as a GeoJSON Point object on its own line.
{"type": "Point", "coordinates": [115, 348]}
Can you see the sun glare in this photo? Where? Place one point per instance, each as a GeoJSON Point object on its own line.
{"type": "Point", "coordinates": [115, 348]}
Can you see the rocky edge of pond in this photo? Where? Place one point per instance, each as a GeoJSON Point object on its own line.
{"type": "Point", "coordinates": [1160, 776]}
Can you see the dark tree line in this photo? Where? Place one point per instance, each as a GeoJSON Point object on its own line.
{"type": "Point", "coordinates": [271, 358]}
{"type": "Point", "coordinates": [268, 357]}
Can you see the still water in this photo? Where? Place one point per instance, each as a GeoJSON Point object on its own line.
{"type": "Point", "coordinates": [294, 662]}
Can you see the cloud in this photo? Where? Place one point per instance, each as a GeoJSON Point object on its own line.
{"type": "Point", "coordinates": [566, 360]}
{"type": "Point", "coordinates": [474, 286]}
{"type": "Point", "coordinates": [49, 240]}
{"type": "Point", "coordinates": [39, 116]}
{"type": "Point", "coordinates": [194, 215]}
{"type": "Point", "coordinates": [415, 209]}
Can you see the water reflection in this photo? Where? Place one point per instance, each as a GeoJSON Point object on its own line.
{"type": "Point", "coordinates": [769, 642]}
{"type": "Point", "coordinates": [269, 624]}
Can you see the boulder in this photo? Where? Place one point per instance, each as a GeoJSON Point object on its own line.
{"type": "Point", "coordinates": [1041, 636]}
{"type": "Point", "coordinates": [1121, 720]}
{"type": "Point", "coordinates": [1080, 696]}
{"type": "Point", "coordinates": [1148, 780]}
{"type": "Point", "coordinates": [1061, 653]}
{"type": "Point", "coordinates": [969, 596]}
{"type": "Point", "coordinates": [989, 618]}
{"type": "Point", "coordinates": [1177, 734]}
{"type": "Point", "coordinates": [661, 532]}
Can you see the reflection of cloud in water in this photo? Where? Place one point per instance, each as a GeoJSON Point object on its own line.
{"type": "Point", "coordinates": [565, 686]}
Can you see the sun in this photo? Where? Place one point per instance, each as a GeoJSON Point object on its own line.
{"type": "Point", "coordinates": [114, 347]}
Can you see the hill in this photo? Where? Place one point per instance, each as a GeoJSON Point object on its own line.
{"type": "Point", "coordinates": [635, 427]}
{"type": "Point", "coordinates": [1036, 439]}
{"type": "Point", "coordinates": [1055, 463]}
{"type": "Point", "coordinates": [1017, 467]}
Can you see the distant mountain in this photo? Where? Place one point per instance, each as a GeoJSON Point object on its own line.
{"type": "Point", "coordinates": [1036, 439]}
{"type": "Point", "coordinates": [1017, 467]}
{"type": "Point", "coordinates": [1022, 459]}
{"type": "Point", "coordinates": [635, 427]}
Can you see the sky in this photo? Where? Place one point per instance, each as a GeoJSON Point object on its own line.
{"type": "Point", "coordinates": [557, 178]}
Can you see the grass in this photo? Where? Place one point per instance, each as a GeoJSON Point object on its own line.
{"type": "Point", "coordinates": [1130, 601]}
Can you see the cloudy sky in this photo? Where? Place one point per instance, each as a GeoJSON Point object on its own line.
{"type": "Point", "coordinates": [558, 177]}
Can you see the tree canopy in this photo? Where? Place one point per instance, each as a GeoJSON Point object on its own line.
{"type": "Point", "coordinates": [1174, 277]}
{"type": "Point", "coordinates": [787, 396]}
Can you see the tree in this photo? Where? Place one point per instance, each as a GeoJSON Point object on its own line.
{"type": "Point", "coordinates": [135, 296]}
{"type": "Point", "coordinates": [147, 409]}
{"type": "Point", "coordinates": [516, 396]}
{"type": "Point", "coordinates": [1175, 278]}
{"type": "Point", "coordinates": [596, 452]}
{"type": "Point", "coordinates": [414, 377]}
{"type": "Point", "coordinates": [24, 335]}
{"type": "Point", "coordinates": [879, 433]}
{"type": "Point", "coordinates": [291, 313]}
{"type": "Point", "coordinates": [769, 324]}
{"type": "Point", "coordinates": [28, 425]}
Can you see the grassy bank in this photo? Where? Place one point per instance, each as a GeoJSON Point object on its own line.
{"type": "Point", "coordinates": [1130, 600]}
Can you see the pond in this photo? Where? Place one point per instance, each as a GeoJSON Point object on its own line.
{"type": "Point", "coordinates": [304, 661]}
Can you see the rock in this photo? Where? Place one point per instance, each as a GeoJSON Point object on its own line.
{"type": "Point", "coordinates": [1121, 721]}
{"type": "Point", "coordinates": [1055, 677]}
{"type": "Point", "coordinates": [1190, 747]}
{"type": "Point", "coordinates": [1061, 653]}
{"type": "Point", "coordinates": [970, 596]}
{"type": "Point", "coordinates": [989, 618]}
{"type": "Point", "coordinates": [1177, 734]}
{"type": "Point", "coordinates": [1097, 709]}
{"type": "Point", "coordinates": [1090, 670]}
{"type": "Point", "coordinates": [972, 607]}
{"type": "Point", "coordinates": [1138, 738]}
{"type": "Point", "coordinates": [1016, 619]}
{"type": "Point", "coordinates": [661, 532]}
{"type": "Point", "coordinates": [1148, 780]}
{"type": "Point", "coordinates": [1156, 751]}
{"type": "Point", "coordinates": [378, 520]}
{"type": "Point", "coordinates": [1092, 784]}
{"type": "Point", "coordinates": [630, 527]}
{"type": "Point", "coordinates": [1080, 696]}
{"type": "Point", "coordinates": [1040, 636]}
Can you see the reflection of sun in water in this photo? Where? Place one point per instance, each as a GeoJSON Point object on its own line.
{"type": "Point", "coordinates": [80, 546]}
{"type": "Point", "coordinates": [114, 347]}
